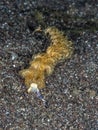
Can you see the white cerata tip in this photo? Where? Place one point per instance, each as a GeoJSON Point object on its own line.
{"type": "Point", "coordinates": [33, 88]}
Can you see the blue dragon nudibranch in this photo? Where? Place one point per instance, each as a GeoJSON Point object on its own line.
{"type": "Point", "coordinates": [43, 64]}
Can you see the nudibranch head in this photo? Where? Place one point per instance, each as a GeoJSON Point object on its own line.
{"type": "Point", "coordinates": [33, 88]}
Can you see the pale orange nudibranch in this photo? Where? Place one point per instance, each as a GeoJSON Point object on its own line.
{"type": "Point", "coordinates": [43, 64]}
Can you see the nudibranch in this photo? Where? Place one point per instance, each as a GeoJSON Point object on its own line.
{"type": "Point", "coordinates": [43, 64]}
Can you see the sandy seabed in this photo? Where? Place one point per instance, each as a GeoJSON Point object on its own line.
{"type": "Point", "coordinates": [71, 90]}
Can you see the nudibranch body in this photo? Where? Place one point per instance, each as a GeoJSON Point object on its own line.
{"type": "Point", "coordinates": [43, 64]}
